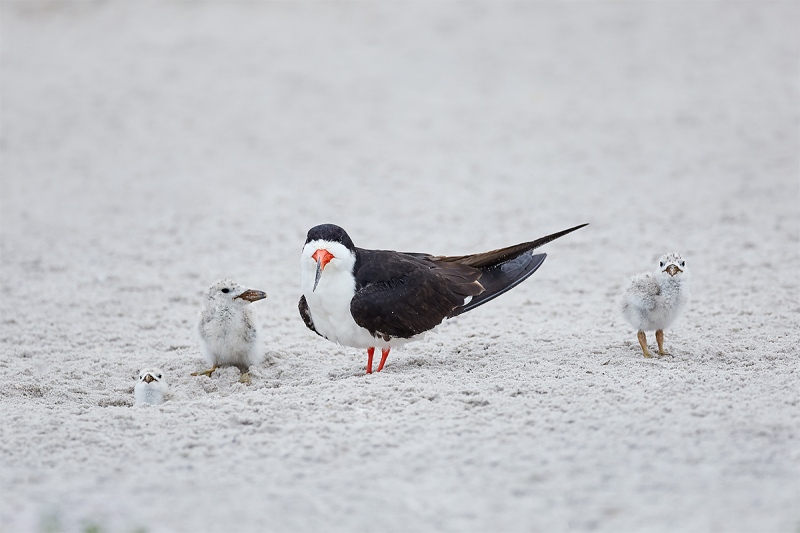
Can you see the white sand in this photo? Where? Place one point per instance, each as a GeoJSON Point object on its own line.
{"type": "Point", "coordinates": [151, 148]}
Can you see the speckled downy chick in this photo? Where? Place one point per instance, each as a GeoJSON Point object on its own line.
{"type": "Point", "coordinates": [653, 300]}
{"type": "Point", "coordinates": [151, 387]}
{"type": "Point", "coordinates": [227, 328]}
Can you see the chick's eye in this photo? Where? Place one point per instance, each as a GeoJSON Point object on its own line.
{"type": "Point", "coordinates": [159, 376]}
{"type": "Point", "coordinates": [226, 291]}
{"type": "Point", "coordinates": [662, 264]}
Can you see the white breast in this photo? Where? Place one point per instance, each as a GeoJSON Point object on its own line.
{"type": "Point", "coordinates": [653, 302]}
{"type": "Point", "coordinates": [329, 303]}
{"type": "Point", "coordinates": [229, 337]}
{"type": "Point", "coordinates": [152, 393]}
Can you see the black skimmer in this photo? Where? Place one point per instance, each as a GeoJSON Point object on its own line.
{"type": "Point", "coordinates": [380, 298]}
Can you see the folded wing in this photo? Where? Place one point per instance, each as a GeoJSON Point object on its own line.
{"type": "Point", "coordinates": [410, 293]}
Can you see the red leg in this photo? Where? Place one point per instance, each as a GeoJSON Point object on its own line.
{"type": "Point", "coordinates": [370, 353]}
{"type": "Point", "coordinates": [384, 356]}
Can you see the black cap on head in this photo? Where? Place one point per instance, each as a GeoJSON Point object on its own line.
{"type": "Point", "coordinates": [330, 232]}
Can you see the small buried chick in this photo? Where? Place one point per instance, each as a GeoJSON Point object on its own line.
{"type": "Point", "coordinates": [227, 329]}
{"type": "Point", "coordinates": [151, 388]}
{"type": "Point", "coordinates": [654, 300]}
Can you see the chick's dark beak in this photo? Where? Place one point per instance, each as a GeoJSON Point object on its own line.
{"type": "Point", "coordinates": [672, 270]}
{"type": "Point", "coordinates": [252, 295]}
{"type": "Point", "coordinates": [148, 378]}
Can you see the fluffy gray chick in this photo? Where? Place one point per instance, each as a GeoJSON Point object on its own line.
{"type": "Point", "coordinates": [227, 329]}
{"type": "Point", "coordinates": [151, 387]}
{"type": "Point", "coordinates": [653, 300]}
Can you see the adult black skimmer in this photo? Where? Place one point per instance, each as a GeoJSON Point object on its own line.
{"type": "Point", "coordinates": [381, 298]}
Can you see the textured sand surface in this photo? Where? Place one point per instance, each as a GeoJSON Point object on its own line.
{"type": "Point", "coordinates": [149, 149]}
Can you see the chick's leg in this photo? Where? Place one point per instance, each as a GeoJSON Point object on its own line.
{"type": "Point", "coordinates": [244, 374]}
{"type": "Point", "coordinates": [660, 341]}
{"type": "Point", "coordinates": [206, 372]}
{"type": "Point", "coordinates": [643, 343]}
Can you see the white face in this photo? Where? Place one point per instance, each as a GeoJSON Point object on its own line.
{"type": "Point", "coordinates": [672, 264]}
{"type": "Point", "coordinates": [324, 260]}
{"type": "Point", "coordinates": [224, 290]}
{"type": "Point", "coordinates": [227, 292]}
{"type": "Point", "coordinates": [151, 375]}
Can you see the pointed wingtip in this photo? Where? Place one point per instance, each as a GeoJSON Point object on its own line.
{"type": "Point", "coordinates": [564, 232]}
{"type": "Point", "coordinates": [544, 240]}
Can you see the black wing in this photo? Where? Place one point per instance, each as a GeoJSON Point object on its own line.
{"type": "Point", "coordinates": [503, 269]}
{"type": "Point", "coordinates": [305, 313]}
{"type": "Point", "coordinates": [502, 278]}
{"type": "Point", "coordinates": [402, 295]}
{"type": "Point", "coordinates": [502, 255]}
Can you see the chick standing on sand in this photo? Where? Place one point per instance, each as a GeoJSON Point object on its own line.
{"type": "Point", "coordinates": [653, 301]}
{"type": "Point", "coordinates": [152, 387]}
{"type": "Point", "coordinates": [228, 334]}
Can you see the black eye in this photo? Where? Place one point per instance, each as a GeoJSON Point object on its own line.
{"type": "Point", "coordinates": [662, 264]}
{"type": "Point", "coordinates": [159, 376]}
{"type": "Point", "coordinates": [683, 263]}
{"type": "Point", "coordinates": [226, 291]}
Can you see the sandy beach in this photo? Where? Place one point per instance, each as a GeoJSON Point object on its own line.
{"type": "Point", "coordinates": [148, 149]}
